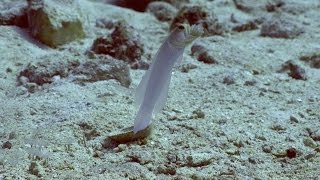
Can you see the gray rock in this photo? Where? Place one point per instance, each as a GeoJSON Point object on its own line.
{"type": "Point", "coordinates": [313, 59]}
{"type": "Point", "coordinates": [254, 6]}
{"type": "Point", "coordinates": [294, 70]}
{"type": "Point", "coordinates": [55, 23]}
{"type": "Point", "coordinates": [162, 11]}
{"type": "Point", "coordinates": [14, 13]}
{"type": "Point", "coordinates": [202, 54]}
{"type": "Point", "coordinates": [103, 69]}
{"type": "Point", "coordinates": [178, 4]}
{"type": "Point", "coordinates": [44, 72]}
{"type": "Point", "coordinates": [35, 76]}
{"type": "Point", "coordinates": [123, 43]}
{"type": "Point", "coordinates": [281, 27]}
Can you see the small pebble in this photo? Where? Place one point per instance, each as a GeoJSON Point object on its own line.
{"type": "Point", "coordinates": [294, 119]}
{"type": "Point", "coordinates": [7, 145]}
{"type": "Point", "coordinates": [309, 142]}
{"type": "Point", "coordinates": [291, 153]}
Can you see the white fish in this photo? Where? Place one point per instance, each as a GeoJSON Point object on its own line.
{"type": "Point", "coordinates": [151, 94]}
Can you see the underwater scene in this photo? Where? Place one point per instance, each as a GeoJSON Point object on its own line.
{"type": "Point", "coordinates": [159, 89]}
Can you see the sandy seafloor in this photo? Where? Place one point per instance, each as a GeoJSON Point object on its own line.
{"type": "Point", "coordinates": [244, 134]}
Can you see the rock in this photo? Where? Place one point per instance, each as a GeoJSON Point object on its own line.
{"type": "Point", "coordinates": [131, 4]}
{"type": "Point", "coordinates": [207, 58]}
{"type": "Point", "coordinates": [55, 23]}
{"type": "Point", "coordinates": [194, 14]}
{"type": "Point", "coordinates": [162, 11]}
{"type": "Point", "coordinates": [228, 80]}
{"type": "Point", "coordinates": [142, 5]}
{"type": "Point", "coordinates": [198, 48]}
{"type": "Point", "coordinates": [14, 13]}
{"type": "Point", "coordinates": [33, 76]}
{"type": "Point", "coordinates": [7, 145]}
{"type": "Point", "coordinates": [313, 59]}
{"type": "Point", "coordinates": [247, 5]}
{"type": "Point", "coordinates": [199, 159]}
{"type": "Point", "coordinates": [246, 26]}
{"type": "Point", "coordinates": [253, 6]}
{"type": "Point", "coordinates": [202, 54]}
{"type": "Point", "coordinates": [294, 119]}
{"type": "Point", "coordinates": [297, 8]}
{"type": "Point", "coordinates": [309, 142]}
{"type": "Point", "coordinates": [44, 72]}
{"type": "Point", "coordinates": [187, 67]}
{"type": "Point", "coordinates": [198, 114]}
{"type": "Point", "coordinates": [291, 153]}
{"type": "Point", "coordinates": [123, 43]}
{"type": "Point", "coordinates": [167, 169]}
{"type": "Point", "coordinates": [274, 6]}
{"type": "Point", "coordinates": [36, 169]}
{"type": "Point", "coordinates": [32, 87]}
{"type": "Point", "coordinates": [105, 23]}
{"type": "Point", "coordinates": [294, 70]}
{"type": "Point", "coordinates": [267, 148]}
{"type": "Point", "coordinates": [175, 3]}
{"type": "Point", "coordinates": [103, 69]}
{"type": "Point", "coordinates": [281, 27]}
{"type": "Point", "coordinates": [314, 133]}
{"type": "Point", "coordinates": [250, 82]}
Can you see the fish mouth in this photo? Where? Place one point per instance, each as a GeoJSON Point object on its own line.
{"type": "Point", "coordinates": [190, 32]}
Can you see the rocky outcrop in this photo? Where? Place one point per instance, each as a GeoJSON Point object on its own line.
{"type": "Point", "coordinates": [55, 23]}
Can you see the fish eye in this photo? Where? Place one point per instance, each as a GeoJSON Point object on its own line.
{"type": "Point", "coordinates": [181, 27]}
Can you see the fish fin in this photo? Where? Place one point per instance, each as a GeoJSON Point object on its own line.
{"type": "Point", "coordinates": [162, 99]}
{"type": "Point", "coordinates": [179, 61]}
{"type": "Point", "coordinates": [143, 119]}
{"type": "Point", "coordinates": [141, 89]}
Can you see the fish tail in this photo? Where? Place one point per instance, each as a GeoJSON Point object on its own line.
{"type": "Point", "coordinates": [143, 119]}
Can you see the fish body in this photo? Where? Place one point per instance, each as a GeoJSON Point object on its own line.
{"type": "Point", "coordinates": [151, 93]}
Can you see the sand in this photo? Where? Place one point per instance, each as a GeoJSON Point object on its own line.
{"type": "Point", "coordinates": [239, 118]}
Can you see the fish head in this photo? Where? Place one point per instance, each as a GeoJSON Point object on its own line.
{"type": "Point", "coordinates": [184, 34]}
